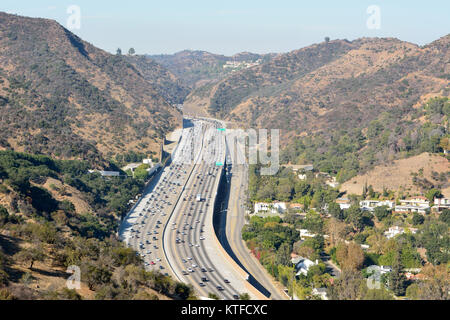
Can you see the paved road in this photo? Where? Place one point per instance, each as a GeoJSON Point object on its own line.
{"type": "Point", "coordinates": [191, 247]}
{"type": "Point", "coordinates": [235, 220]}
{"type": "Point", "coordinates": [173, 231]}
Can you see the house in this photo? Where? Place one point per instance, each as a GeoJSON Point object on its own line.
{"type": "Point", "coordinates": [394, 231]}
{"type": "Point", "coordinates": [441, 204]}
{"type": "Point", "coordinates": [273, 208]}
{"type": "Point", "coordinates": [302, 176]}
{"type": "Point", "coordinates": [344, 203]}
{"type": "Point", "coordinates": [304, 233]}
{"type": "Point", "coordinates": [370, 205]}
{"type": "Point", "coordinates": [380, 269]}
{"type": "Point", "coordinates": [148, 161]}
{"type": "Point", "coordinates": [331, 181]}
{"type": "Point", "coordinates": [416, 204]}
{"type": "Point", "coordinates": [303, 265]}
{"type": "Point", "coordinates": [321, 292]}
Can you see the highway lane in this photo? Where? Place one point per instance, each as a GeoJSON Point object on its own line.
{"type": "Point", "coordinates": [141, 224]}
{"type": "Point", "coordinates": [200, 212]}
{"type": "Point", "coordinates": [162, 212]}
{"type": "Point", "coordinates": [235, 221]}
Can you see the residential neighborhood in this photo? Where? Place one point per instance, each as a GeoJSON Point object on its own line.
{"type": "Point", "coordinates": [381, 238]}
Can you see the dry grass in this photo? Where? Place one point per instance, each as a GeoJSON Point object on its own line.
{"type": "Point", "coordinates": [398, 176]}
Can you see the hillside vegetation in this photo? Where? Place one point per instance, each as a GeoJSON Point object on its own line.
{"type": "Point", "coordinates": [42, 232]}
{"type": "Point", "coordinates": [344, 106]}
{"type": "Point", "coordinates": [198, 68]}
{"type": "Point", "coordinates": [61, 96]}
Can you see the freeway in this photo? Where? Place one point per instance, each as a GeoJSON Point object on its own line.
{"type": "Point", "coordinates": [190, 244]}
{"type": "Point", "coordinates": [142, 227]}
{"type": "Point", "coordinates": [171, 226]}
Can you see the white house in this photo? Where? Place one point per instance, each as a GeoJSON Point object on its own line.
{"type": "Point", "coordinates": [417, 204]}
{"type": "Point", "coordinates": [304, 233]}
{"type": "Point", "coordinates": [274, 207]}
{"type": "Point", "coordinates": [370, 205]}
{"type": "Point", "coordinates": [379, 269]}
{"type": "Point", "coordinates": [148, 161]}
{"type": "Point", "coordinates": [303, 265]}
{"type": "Point", "coordinates": [344, 203]}
{"type": "Point", "coordinates": [394, 231]}
{"type": "Point", "coordinates": [441, 203]}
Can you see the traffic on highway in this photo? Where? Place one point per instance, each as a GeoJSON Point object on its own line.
{"type": "Point", "coordinates": [171, 226]}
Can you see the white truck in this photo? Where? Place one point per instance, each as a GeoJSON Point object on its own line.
{"type": "Point", "coordinates": [199, 197]}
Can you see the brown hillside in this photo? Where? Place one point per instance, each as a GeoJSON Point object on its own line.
{"type": "Point", "coordinates": [61, 96]}
{"type": "Point", "coordinates": [398, 175]}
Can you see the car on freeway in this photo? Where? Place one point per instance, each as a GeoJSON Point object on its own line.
{"type": "Point", "coordinates": [201, 284]}
{"type": "Point", "coordinates": [226, 281]}
{"type": "Point", "coordinates": [235, 297]}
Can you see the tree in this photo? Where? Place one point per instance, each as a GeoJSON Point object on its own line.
{"type": "Point", "coordinates": [327, 39]}
{"type": "Point", "coordinates": [31, 255]}
{"type": "Point", "coordinates": [436, 285]}
{"type": "Point", "coordinates": [417, 219]}
{"type": "Point", "coordinates": [350, 256]}
{"type": "Point", "coordinates": [283, 255]}
{"type": "Point", "coordinates": [445, 216]}
{"type": "Point", "coordinates": [335, 210]}
{"type": "Point", "coordinates": [433, 193]}
{"type": "Point", "coordinates": [131, 51]}
{"type": "Point", "coordinates": [377, 242]}
{"type": "Point", "coordinates": [119, 52]}
{"type": "Point", "coordinates": [378, 294]}
{"type": "Point", "coordinates": [4, 215]}
{"type": "Point", "coordinates": [337, 231]}
{"type": "Point", "coordinates": [350, 286]}
{"type": "Point", "coordinates": [313, 222]}
{"type": "Point", "coordinates": [397, 280]}
{"type": "Point", "coordinates": [97, 275]}
{"type": "Point", "coordinates": [381, 212]}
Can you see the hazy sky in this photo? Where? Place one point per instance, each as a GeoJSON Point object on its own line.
{"type": "Point", "coordinates": [231, 26]}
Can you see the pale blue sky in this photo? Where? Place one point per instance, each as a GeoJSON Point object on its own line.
{"type": "Point", "coordinates": [231, 26]}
